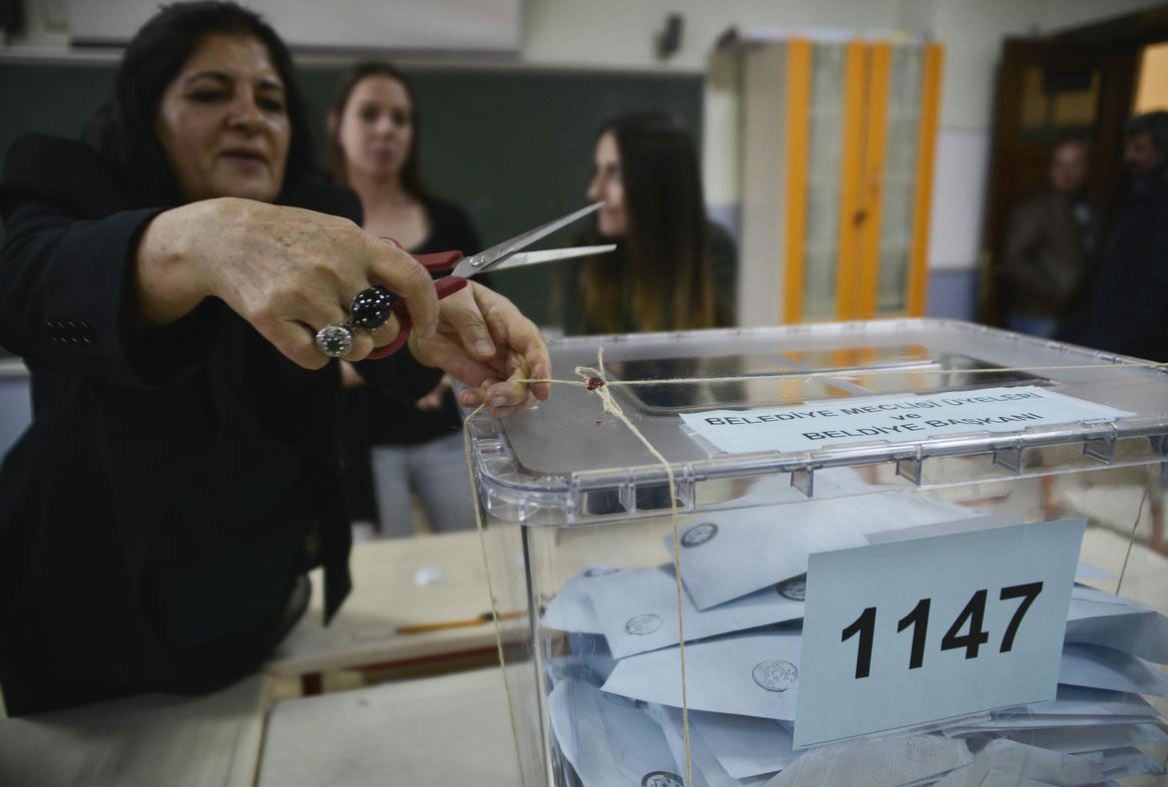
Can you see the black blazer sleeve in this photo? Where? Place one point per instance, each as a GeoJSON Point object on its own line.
{"type": "Point", "coordinates": [66, 271]}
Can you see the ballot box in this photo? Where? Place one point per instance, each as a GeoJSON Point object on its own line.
{"type": "Point", "coordinates": [905, 552]}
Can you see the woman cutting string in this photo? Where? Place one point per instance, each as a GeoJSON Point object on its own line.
{"type": "Point", "coordinates": [166, 285]}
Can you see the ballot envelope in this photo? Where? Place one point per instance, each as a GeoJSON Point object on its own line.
{"type": "Point", "coordinates": [659, 574]}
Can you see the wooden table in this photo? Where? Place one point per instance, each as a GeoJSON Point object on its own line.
{"type": "Point", "coordinates": [208, 741]}
{"type": "Point", "coordinates": [441, 731]}
{"type": "Point", "coordinates": [386, 596]}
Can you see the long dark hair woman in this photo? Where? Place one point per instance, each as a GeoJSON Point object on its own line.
{"type": "Point", "coordinates": [165, 288]}
{"type": "Point", "coordinates": [373, 135]}
{"type": "Point", "coordinates": [673, 269]}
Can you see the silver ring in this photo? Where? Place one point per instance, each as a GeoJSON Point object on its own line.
{"type": "Point", "coordinates": [336, 340]}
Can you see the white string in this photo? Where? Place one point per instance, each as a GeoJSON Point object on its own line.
{"type": "Point", "coordinates": [491, 587]}
{"type": "Point", "coordinates": [853, 373]}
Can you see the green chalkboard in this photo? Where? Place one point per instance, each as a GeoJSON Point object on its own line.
{"type": "Point", "coordinates": [512, 146]}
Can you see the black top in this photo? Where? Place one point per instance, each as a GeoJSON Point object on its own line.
{"type": "Point", "coordinates": [1125, 311]}
{"type": "Point", "coordinates": [174, 484]}
{"type": "Point", "coordinates": [397, 422]}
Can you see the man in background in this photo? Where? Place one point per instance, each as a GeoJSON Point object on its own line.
{"type": "Point", "coordinates": [1049, 245]}
{"type": "Point", "coordinates": [1127, 309]}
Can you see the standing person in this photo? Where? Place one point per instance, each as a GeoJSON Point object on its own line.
{"type": "Point", "coordinates": [1126, 311]}
{"type": "Point", "coordinates": [1049, 245]}
{"type": "Point", "coordinates": [417, 443]}
{"type": "Point", "coordinates": [673, 268]}
{"type": "Point", "coordinates": [165, 288]}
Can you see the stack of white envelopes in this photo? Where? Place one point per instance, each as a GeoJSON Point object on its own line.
{"type": "Point", "coordinates": [615, 703]}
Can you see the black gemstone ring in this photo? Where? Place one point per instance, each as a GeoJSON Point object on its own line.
{"type": "Point", "coordinates": [335, 341]}
{"type": "Point", "coordinates": [371, 307]}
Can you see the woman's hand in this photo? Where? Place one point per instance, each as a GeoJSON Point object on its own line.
{"type": "Point", "coordinates": [287, 271]}
{"type": "Point", "coordinates": [485, 342]}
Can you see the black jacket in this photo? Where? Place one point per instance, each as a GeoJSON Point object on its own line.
{"type": "Point", "coordinates": [173, 485]}
{"type": "Point", "coordinates": [1127, 301]}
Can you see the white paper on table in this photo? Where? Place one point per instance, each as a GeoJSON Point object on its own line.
{"type": "Point", "coordinates": [1075, 740]}
{"type": "Point", "coordinates": [1128, 627]}
{"type": "Point", "coordinates": [875, 762]}
{"type": "Point", "coordinates": [638, 611]}
{"type": "Point", "coordinates": [609, 740]}
{"type": "Point", "coordinates": [1019, 760]}
{"type": "Point", "coordinates": [727, 554]}
{"type": "Point", "coordinates": [571, 609]}
{"type": "Point", "coordinates": [745, 745]}
{"type": "Point", "coordinates": [753, 674]}
{"type": "Point", "coordinates": [1104, 668]}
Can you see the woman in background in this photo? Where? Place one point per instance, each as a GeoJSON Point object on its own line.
{"type": "Point", "coordinates": [416, 446]}
{"type": "Point", "coordinates": [673, 269]}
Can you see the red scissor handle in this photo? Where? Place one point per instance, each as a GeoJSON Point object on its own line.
{"type": "Point", "coordinates": [439, 264]}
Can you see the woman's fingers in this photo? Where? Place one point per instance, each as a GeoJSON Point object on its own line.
{"type": "Point", "coordinates": [406, 277]}
{"type": "Point", "coordinates": [529, 355]}
{"type": "Point", "coordinates": [499, 377]}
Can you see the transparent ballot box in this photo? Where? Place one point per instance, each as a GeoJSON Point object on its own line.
{"type": "Point", "coordinates": [906, 552]}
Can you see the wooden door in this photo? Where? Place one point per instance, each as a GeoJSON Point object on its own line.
{"type": "Point", "coordinates": [1048, 90]}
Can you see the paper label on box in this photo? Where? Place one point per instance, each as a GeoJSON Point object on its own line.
{"type": "Point", "coordinates": [918, 631]}
{"type": "Point", "coordinates": [898, 418]}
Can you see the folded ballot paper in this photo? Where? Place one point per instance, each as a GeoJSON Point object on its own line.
{"type": "Point", "coordinates": [727, 555]}
{"type": "Point", "coordinates": [752, 674]}
{"type": "Point", "coordinates": [637, 609]}
{"type": "Point", "coordinates": [1098, 618]}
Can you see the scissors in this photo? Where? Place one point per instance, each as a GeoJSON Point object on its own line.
{"type": "Point", "coordinates": [449, 270]}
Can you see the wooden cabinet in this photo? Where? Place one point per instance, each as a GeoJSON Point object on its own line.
{"type": "Point", "coordinates": [836, 140]}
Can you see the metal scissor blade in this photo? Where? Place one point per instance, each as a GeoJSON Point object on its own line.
{"type": "Point", "coordinates": [522, 258]}
{"type": "Point", "coordinates": [500, 251]}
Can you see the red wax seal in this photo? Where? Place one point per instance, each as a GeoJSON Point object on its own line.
{"type": "Point", "coordinates": [594, 383]}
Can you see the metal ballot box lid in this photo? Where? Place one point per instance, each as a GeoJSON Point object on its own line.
{"type": "Point", "coordinates": [567, 462]}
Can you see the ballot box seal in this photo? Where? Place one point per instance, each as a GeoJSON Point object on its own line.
{"type": "Point", "coordinates": [794, 589]}
{"type": "Point", "coordinates": [699, 534]}
{"type": "Point", "coordinates": [775, 674]}
{"type": "Point", "coordinates": [661, 779]}
{"type": "Point", "coordinates": [643, 624]}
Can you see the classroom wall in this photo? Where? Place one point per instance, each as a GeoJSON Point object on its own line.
{"type": "Point", "coordinates": [620, 34]}
{"type": "Point", "coordinates": [565, 31]}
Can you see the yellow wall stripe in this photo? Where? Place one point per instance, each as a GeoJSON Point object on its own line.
{"type": "Point", "coordinates": [851, 173]}
{"type": "Point", "coordinates": [872, 194]}
{"type": "Point", "coordinates": [926, 147]}
{"type": "Point", "coordinates": [798, 108]}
